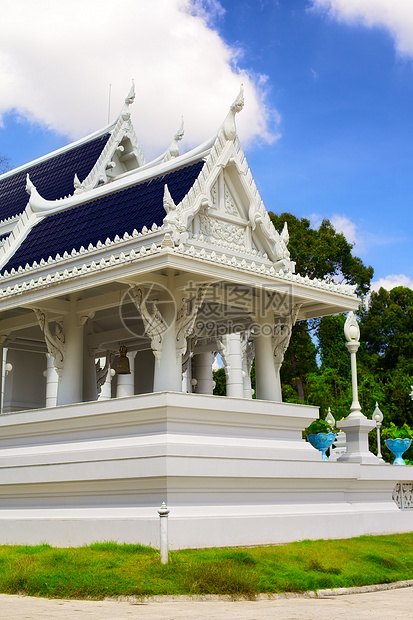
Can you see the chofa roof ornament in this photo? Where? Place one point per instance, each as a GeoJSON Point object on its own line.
{"type": "Point", "coordinates": [173, 150]}
{"type": "Point", "coordinates": [229, 127]}
{"type": "Point", "coordinates": [129, 99]}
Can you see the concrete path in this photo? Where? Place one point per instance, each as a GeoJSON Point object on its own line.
{"type": "Point", "coordinates": [386, 605]}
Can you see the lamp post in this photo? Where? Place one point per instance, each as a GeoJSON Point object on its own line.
{"type": "Point", "coordinates": [356, 425]}
{"type": "Point", "coordinates": [378, 418]}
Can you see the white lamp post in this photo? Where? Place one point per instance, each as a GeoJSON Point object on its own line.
{"type": "Point", "coordinates": [356, 425]}
{"type": "Point", "coordinates": [378, 418]}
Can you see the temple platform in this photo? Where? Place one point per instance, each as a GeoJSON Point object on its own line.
{"type": "Point", "coordinates": [231, 471]}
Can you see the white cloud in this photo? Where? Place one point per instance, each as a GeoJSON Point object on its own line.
{"type": "Point", "coordinates": [394, 15]}
{"type": "Point", "coordinates": [57, 60]}
{"type": "Point", "coordinates": [344, 225]}
{"type": "Point", "coordinates": [392, 281]}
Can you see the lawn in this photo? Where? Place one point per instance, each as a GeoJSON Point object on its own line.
{"type": "Point", "coordinates": [110, 569]}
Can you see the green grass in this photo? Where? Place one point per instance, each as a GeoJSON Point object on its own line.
{"type": "Point", "coordinates": [108, 569]}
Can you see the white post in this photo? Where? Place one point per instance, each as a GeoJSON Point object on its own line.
{"type": "Point", "coordinates": [202, 372]}
{"type": "Point", "coordinates": [70, 388]}
{"type": "Point", "coordinates": [126, 383]}
{"type": "Point", "coordinates": [3, 376]}
{"type": "Point", "coordinates": [168, 361]}
{"type": "Point", "coordinates": [163, 513]}
{"type": "Point", "coordinates": [378, 418]}
{"type": "Point", "coordinates": [52, 382]}
{"type": "Point", "coordinates": [356, 425]}
{"type": "Point", "coordinates": [267, 377]}
{"type": "Point", "coordinates": [106, 390]}
{"type": "Point", "coordinates": [89, 377]}
{"type": "Point", "coordinates": [233, 359]}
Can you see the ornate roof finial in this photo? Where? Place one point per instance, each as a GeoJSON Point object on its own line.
{"type": "Point", "coordinates": [168, 202]}
{"type": "Point", "coordinates": [131, 95]}
{"type": "Point", "coordinates": [29, 185]}
{"type": "Point", "coordinates": [128, 101]}
{"type": "Point", "coordinates": [180, 133]}
{"type": "Point", "coordinates": [229, 128]}
{"type": "Point", "coordinates": [173, 150]}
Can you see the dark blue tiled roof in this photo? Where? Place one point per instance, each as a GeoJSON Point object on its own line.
{"type": "Point", "coordinates": [53, 177]}
{"type": "Point", "coordinates": [113, 214]}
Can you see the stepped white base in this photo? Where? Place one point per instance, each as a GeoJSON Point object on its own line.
{"type": "Point", "coordinates": [232, 472]}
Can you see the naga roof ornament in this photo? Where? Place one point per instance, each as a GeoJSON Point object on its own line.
{"type": "Point", "coordinates": [229, 127]}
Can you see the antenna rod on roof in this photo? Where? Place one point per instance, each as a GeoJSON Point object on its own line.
{"type": "Point", "coordinates": [110, 90]}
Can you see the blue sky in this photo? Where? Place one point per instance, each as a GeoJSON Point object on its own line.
{"type": "Point", "coordinates": [328, 116]}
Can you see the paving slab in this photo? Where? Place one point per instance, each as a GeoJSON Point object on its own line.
{"type": "Point", "coordinates": [396, 604]}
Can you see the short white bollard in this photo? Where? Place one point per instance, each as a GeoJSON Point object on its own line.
{"type": "Point", "coordinates": [163, 513]}
{"type": "Point", "coordinates": [378, 418]}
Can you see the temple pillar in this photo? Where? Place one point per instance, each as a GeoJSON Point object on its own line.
{"type": "Point", "coordinates": [248, 353]}
{"type": "Point", "coordinates": [202, 372]}
{"type": "Point", "coordinates": [169, 320]}
{"type": "Point", "coordinates": [3, 376]}
{"type": "Point", "coordinates": [267, 376]}
{"type": "Point", "coordinates": [106, 389]}
{"type": "Point", "coordinates": [52, 382]}
{"type": "Point", "coordinates": [168, 359]}
{"type": "Point", "coordinates": [126, 383]}
{"type": "Point", "coordinates": [233, 365]}
{"type": "Point", "coordinates": [89, 377]}
{"type": "Point", "coordinates": [70, 388]}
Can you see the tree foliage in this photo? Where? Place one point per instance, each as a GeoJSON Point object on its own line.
{"type": "Point", "coordinates": [4, 164]}
{"type": "Point", "coordinates": [318, 253]}
{"type": "Point", "coordinates": [323, 252]}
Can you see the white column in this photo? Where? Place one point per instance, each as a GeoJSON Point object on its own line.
{"type": "Point", "coordinates": [246, 373]}
{"type": "Point", "coordinates": [3, 375]}
{"type": "Point", "coordinates": [126, 383]}
{"type": "Point", "coordinates": [52, 382]}
{"type": "Point", "coordinates": [233, 359]}
{"type": "Point", "coordinates": [70, 388]}
{"type": "Point", "coordinates": [106, 390]}
{"type": "Point", "coordinates": [168, 366]}
{"type": "Point", "coordinates": [202, 372]}
{"type": "Point", "coordinates": [267, 376]}
{"type": "Point", "coordinates": [90, 391]}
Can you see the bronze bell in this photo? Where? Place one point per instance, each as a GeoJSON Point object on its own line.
{"type": "Point", "coordinates": [122, 366]}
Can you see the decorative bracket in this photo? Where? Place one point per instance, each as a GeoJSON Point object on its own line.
{"type": "Point", "coordinates": [282, 335]}
{"type": "Point", "coordinates": [83, 318]}
{"type": "Point", "coordinates": [153, 321]}
{"type": "Point", "coordinates": [247, 350]}
{"type": "Point", "coordinates": [186, 317]}
{"type": "Point", "coordinates": [101, 373]}
{"type": "Point", "coordinates": [55, 342]}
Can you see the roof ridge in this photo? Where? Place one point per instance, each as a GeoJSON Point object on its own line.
{"type": "Point", "coordinates": [59, 151]}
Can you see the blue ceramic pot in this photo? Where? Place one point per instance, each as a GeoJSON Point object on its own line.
{"type": "Point", "coordinates": [322, 441]}
{"type": "Point", "coordinates": [398, 446]}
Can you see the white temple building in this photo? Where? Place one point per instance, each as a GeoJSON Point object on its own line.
{"type": "Point", "coordinates": [120, 282]}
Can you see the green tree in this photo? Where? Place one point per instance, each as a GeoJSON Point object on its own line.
{"type": "Point", "coordinates": [387, 351]}
{"type": "Point", "coordinates": [220, 379]}
{"type": "Point", "coordinates": [4, 164]}
{"type": "Point", "coordinates": [318, 253]}
{"type": "Point", "coordinates": [323, 252]}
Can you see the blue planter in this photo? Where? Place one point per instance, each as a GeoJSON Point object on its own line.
{"type": "Point", "coordinates": [322, 442]}
{"type": "Point", "coordinates": [398, 446]}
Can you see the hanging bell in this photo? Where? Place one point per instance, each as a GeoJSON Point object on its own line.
{"type": "Point", "coordinates": [122, 365]}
